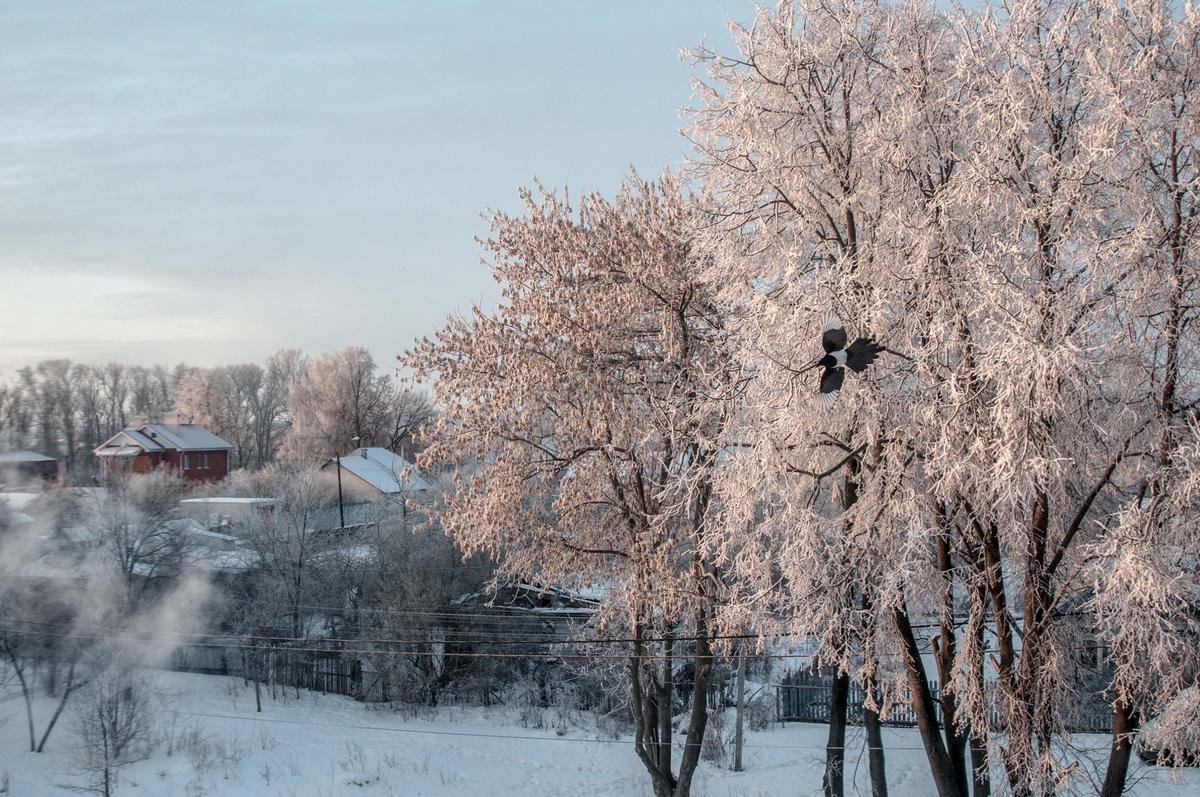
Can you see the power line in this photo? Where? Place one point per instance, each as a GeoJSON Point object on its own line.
{"type": "Point", "coordinates": [585, 641]}
{"type": "Point", "coordinates": [476, 735]}
{"type": "Point", "coordinates": [528, 656]}
{"type": "Point", "coordinates": [116, 633]}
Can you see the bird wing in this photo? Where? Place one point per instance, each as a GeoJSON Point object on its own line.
{"type": "Point", "coordinates": [861, 354]}
{"type": "Point", "coordinates": [833, 335]}
{"type": "Point", "coordinates": [832, 379]}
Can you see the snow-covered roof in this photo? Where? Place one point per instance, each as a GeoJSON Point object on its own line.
{"type": "Point", "coordinates": [230, 500]}
{"type": "Point", "coordinates": [158, 437]}
{"type": "Point", "coordinates": [385, 470]}
{"type": "Point", "coordinates": [24, 456]}
{"type": "Point", "coordinates": [185, 437]}
{"type": "Point", "coordinates": [18, 501]}
{"type": "Point", "coordinates": [126, 443]}
{"type": "Point", "coordinates": [118, 451]}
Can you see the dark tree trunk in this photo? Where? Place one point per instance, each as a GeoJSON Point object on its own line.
{"type": "Point", "coordinates": [666, 686]}
{"type": "Point", "coordinates": [981, 779]}
{"type": "Point", "coordinates": [1124, 725]}
{"type": "Point", "coordinates": [944, 646]}
{"type": "Point", "coordinates": [62, 703]}
{"type": "Point", "coordinates": [874, 734]}
{"type": "Point", "coordinates": [698, 722]}
{"type": "Point", "coordinates": [19, 669]}
{"type": "Point", "coordinates": [645, 721]}
{"type": "Point", "coordinates": [741, 699]}
{"type": "Point", "coordinates": [924, 709]}
{"type": "Point", "coordinates": [835, 748]}
{"type": "Point", "coordinates": [871, 721]}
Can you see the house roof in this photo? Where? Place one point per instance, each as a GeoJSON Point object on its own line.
{"type": "Point", "coordinates": [126, 442]}
{"type": "Point", "coordinates": [158, 437]}
{"type": "Point", "coordinates": [118, 451]}
{"type": "Point", "coordinates": [186, 437]}
{"type": "Point", "coordinates": [384, 470]}
{"type": "Point", "coordinates": [142, 440]}
{"type": "Point", "coordinates": [24, 456]}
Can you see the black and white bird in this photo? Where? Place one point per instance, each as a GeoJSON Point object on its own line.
{"type": "Point", "coordinates": [838, 357]}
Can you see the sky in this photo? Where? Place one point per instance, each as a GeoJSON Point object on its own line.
{"type": "Point", "coordinates": [210, 182]}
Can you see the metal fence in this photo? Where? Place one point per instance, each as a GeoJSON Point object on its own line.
{"type": "Point", "coordinates": [805, 697]}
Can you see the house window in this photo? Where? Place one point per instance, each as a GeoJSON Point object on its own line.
{"type": "Point", "coordinates": [184, 461]}
{"type": "Point", "coordinates": [204, 461]}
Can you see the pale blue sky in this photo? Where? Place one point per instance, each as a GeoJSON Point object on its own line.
{"type": "Point", "coordinates": [211, 181]}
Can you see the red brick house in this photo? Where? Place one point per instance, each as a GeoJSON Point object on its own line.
{"type": "Point", "coordinates": [194, 452]}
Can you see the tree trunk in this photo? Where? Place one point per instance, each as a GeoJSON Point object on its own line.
{"type": "Point", "coordinates": [698, 722]}
{"type": "Point", "coordinates": [62, 703]}
{"type": "Point", "coordinates": [875, 751]}
{"type": "Point", "coordinates": [666, 687]}
{"type": "Point", "coordinates": [20, 671]}
{"type": "Point", "coordinates": [741, 699]}
{"type": "Point", "coordinates": [1125, 724]}
{"type": "Point", "coordinates": [944, 645]}
{"type": "Point", "coordinates": [923, 706]}
{"type": "Point", "coordinates": [981, 779]}
{"type": "Point", "coordinates": [835, 747]}
{"type": "Point", "coordinates": [645, 722]}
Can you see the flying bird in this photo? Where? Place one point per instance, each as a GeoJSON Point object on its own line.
{"type": "Point", "coordinates": [838, 357]}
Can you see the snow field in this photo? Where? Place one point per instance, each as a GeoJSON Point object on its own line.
{"type": "Point", "coordinates": [210, 741]}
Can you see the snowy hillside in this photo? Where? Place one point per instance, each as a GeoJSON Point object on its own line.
{"type": "Point", "coordinates": [210, 741]}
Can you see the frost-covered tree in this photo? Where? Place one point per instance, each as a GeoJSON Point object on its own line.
{"type": "Point", "coordinates": [245, 404]}
{"type": "Point", "coordinates": [340, 398]}
{"type": "Point", "coordinates": [588, 398]}
{"type": "Point", "coordinates": [1004, 200]}
{"type": "Point", "coordinates": [1145, 573]}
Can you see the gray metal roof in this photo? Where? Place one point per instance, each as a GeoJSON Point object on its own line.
{"type": "Point", "coordinates": [25, 456]}
{"type": "Point", "coordinates": [384, 470]}
{"type": "Point", "coordinates": [157, 437]}
{"type": "Point", "coordinates": [186, 437]}
{"type": "Point", "coordinates": [142, 440]}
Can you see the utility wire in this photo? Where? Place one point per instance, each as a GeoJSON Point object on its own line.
{"type": "Point", "coordinates": [476, 735]}
{"type": "Point", "coordinates": [532, 656]}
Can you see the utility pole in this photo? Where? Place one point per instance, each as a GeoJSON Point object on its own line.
{"type": "Point", "coordinates": [341, 511]}
{"type": "Point", "coordinates": [341, 506]}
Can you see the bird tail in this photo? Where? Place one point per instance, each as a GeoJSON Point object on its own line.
{"type": "Point", "coordinates": [862, 353]}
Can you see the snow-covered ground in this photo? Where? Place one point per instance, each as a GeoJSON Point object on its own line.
{"type": "Point", "coordinates": [211, 741]}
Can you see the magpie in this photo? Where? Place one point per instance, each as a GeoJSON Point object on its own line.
{"type": "Point", "coordinates": [838, 357]}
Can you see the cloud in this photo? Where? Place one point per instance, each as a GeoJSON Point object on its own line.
{"type": "Point", "coordinates": [255, 174]}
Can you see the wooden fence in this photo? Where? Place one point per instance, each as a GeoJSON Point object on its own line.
{"type": "Point", "coordinates": [321, 671]}
{"type": "Point", "coordinates": [804, 697]}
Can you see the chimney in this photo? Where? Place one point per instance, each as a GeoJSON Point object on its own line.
{"type": "Point", "coordinates": [171, 421]}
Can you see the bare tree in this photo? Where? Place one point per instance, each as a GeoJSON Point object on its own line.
{"type": "Point", "coordinates": [113, 722]}
{"type": "Point", "coordinates": [136, 525]}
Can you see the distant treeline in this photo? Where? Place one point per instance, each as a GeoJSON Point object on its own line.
{"type": "Point", "coordinates": [290, 407]}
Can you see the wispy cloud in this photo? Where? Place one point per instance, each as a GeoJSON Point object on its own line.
{"type": "Point", "coordinates": [300, 174]}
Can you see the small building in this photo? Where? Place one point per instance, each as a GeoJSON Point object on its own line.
{"type": "Point", "coordinates": [18, 466]}
{"type": "Point", "coordinates": [372, 472]}
{"type": "Point", "coordinates": [224, 512]}
{"type": "Point", "coordinates": [194, 452]}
